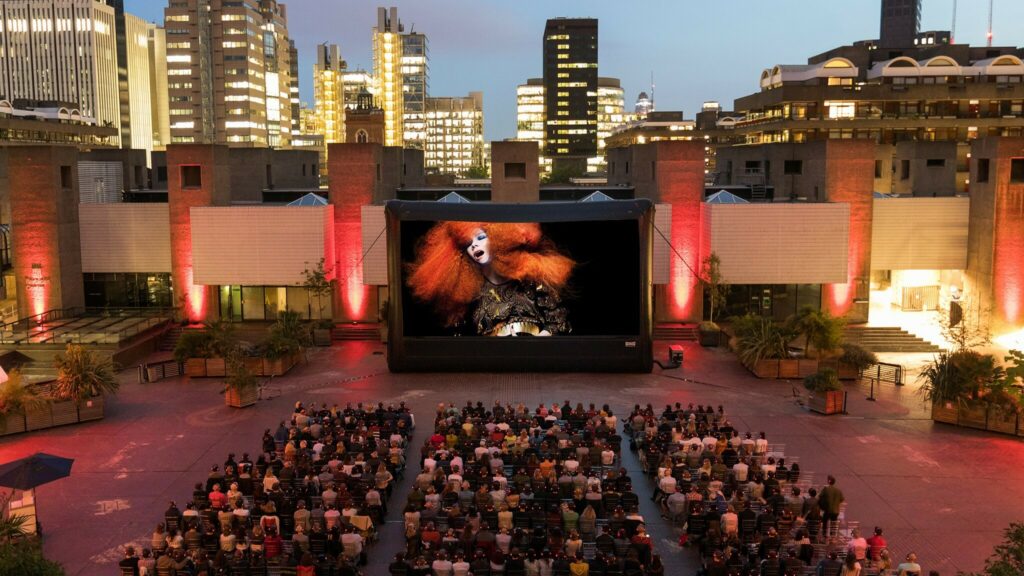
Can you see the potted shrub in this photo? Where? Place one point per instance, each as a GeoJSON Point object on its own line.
{"type": "Point", "coordinates": [321, 288]}
{"type": "Point", "coordinates": [709, 333]}
{"type": "Point", "coordinates": [821, 331]}
{"type": "Point", "coordinates": [192, 350]}
{"type": "Point", "coordinates": [16, 399]}
{"type": "Point", "coordinates": [1003, 404]}
{"type": "Point", "coordinates": [826, 394]}
{"type": "Point", "coordinates": [854, 361]}
{"type": "Point", "coordinates": [83, 377]}
{"type": "Point", "coordinates": [241, 387]}
{"type": "Point", "coordinates": [760, 345]}
{"type": "Point", "coordinates": [954, 383]}
{"type": "Point", "coordinates": [281, 349]}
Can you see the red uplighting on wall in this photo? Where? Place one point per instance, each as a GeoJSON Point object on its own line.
{"type": "Point", "coordinates": [682, 286]}
{"type": "Point", "coordinates": [37, 288]}
{"type": "Point", "coordinates": [354, 293]}
{"type": "Point", "coordinates": [1008, 257]}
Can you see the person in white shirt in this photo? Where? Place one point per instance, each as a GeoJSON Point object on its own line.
{"type": "Point", "coordinates": [740, 470]}
{"type": "Point", "coordinates": [352, 543]}
{"type": "Point", "coordinates": [761, 444]}
{"type": "Point", "coordinates": [607, 457]}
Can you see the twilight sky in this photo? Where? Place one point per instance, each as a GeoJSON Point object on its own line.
{"type": "Point", "coordinates": [698, 49]}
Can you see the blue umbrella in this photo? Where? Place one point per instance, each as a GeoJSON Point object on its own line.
{"type": "Point", "coordinates": [34, 470]}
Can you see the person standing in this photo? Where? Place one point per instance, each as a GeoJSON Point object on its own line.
{"type": "Point", "coordinates": [830, 501]}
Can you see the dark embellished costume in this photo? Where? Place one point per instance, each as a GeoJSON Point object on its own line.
{"type": "Point", "coordinates": [518, 309]}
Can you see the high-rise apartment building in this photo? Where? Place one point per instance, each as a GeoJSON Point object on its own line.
{"type": "Point", "coordinates": [354, 83]}
{"type": "Point", "coordinates": [329, 93]}
{"type": "Point", "coordinates": [570, 90]}
{"type": "Point", "coordinates": [530, 111]}
{"type": "Point", "coordinates": [901, 20]}
{"type": "Point", "coordinates": [415, 73]}
{"type": "Point", "coordinates": [293, 87]}
{"type": "Point", "coordinates": [387, 73]}
{"type": "Point", "coordinates": [61, 51]}
{"type": "Point", "coordinates": [454, 133]}
{"type": "Point", "coordinates": [229, 72]}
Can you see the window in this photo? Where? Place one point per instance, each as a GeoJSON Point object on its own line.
{"type": "Point", "coordinates": [65, 178]}
{"type": "Point", "coordinates": [1017, 171]}
{"type": "Point", "coordinates": [878, 168]}
{"type": "Point", "coordinates": [935, 162]}
{"type": "Point", "coordinates": [793, 167]}
{"type": "Point", "coordinates": [841, 109]}
{"type": "Point", "coordinates": [191, 177]}
{"type": "Point", "coordinates": [904, 169]}
{"type": "Point", "coordinates": [515, 170]}
{"type": "Point", "coordinates": [361, 137]}
{"type": "Point", "coordinates": [983, 170]}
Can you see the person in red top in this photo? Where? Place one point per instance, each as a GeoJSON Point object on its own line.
{"type": "Point", "coordinates": [642, 544]}
{"type": "Point", "coordinates": [306, 566]}
{"type": "Point", "coordinates": [876, 544]}
{"type": "Point", "coordinates": [217, 498]}
{"type": "Point", "coordinates": [272, 545]}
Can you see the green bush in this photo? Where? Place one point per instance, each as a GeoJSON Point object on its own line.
{"type": "Point", "coordinates": [822, 331]}
{"type": "Point", "coordinates": [193, 344]}
{"type": "Point", "coordinates": [708, 326]}
{"type": "Point", "coordinates": [1008, 557]}
{"type": "Point", "coordinates": [858, 357]}
{"type": "Point", "coordinates": [960, 376]}
{"type": "Point", "coordinates": [25, 558]}
{"type": "Point", "coordinates": [83, 373]}
{"type": "Point", "coordinates": [762, 340]}
{"type": "Point", "coordinates": [825, 381]}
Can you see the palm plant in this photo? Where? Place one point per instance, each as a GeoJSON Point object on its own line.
{"type": "Point", "coordinates": [17, 398]}
{"type": "Point", "coordinates": [956, 377]}
{"type": "Point", "coordinates": [12, 526]}
{"type": "Point", "coordinates": [821, 330]}
{"type": "Point", "coordinates": [82, 374]}
{"type": "Point", "coordinates": [761, 340]}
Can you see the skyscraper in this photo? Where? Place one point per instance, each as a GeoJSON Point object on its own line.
{"type": "Point", "coordinates": [229, 72]}
{"type": "Point", "coordinates": [454, 133]}
{"type": "Point", "coordinates": [644, 105]}
{"type": "Point", "coordinates": [415, 73]}
{"type": "Point", "coordinates": [901, 19]}
{"type": "Point", "coordinates": [158, 88]}
{"type": "Point", "coordinates": [146, 109]}
{"type": "Point", "coordinates": [63, 51]}
{"type": "Point", "coordinates": [354, 83]}
{"type": "Point", "coordinates": [387, 72]}
{"type": "Point", "coordinates": [570, 90]}
{"type": "Point", "coordinates": [328, 91]}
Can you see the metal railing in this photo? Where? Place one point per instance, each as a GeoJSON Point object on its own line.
{"type": "Point", "coordinates": [155, 371]}
{"type": "Point", "coordinates": [82, 325]}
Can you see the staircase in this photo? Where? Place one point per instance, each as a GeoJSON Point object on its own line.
{"type": "Point", "coordinates": [676, 332]}
{"type": "Point", "coordinates": [170, 338]}
{"type": "Point", "coordinates": [362, 332]}
{"type": "Point", "coordinates": [884, 339]}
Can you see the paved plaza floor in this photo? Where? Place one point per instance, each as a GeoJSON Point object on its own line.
{"type": "Point", "coordinates": [943, 492]}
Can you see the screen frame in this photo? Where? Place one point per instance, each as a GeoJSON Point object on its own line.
{"type": "Point", "coordinates": [567, 353]}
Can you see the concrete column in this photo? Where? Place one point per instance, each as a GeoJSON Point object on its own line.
{"type": "Point", "coordinates": [46, 251]}
{"type": "Point", "coordinates": [354, 173]}
{"type": "Point", "coordinates": [515, 176]}
{"type": "Point", "coordinates": [995, 238]}
{"type": "Point", "coordinates": [849, 178]}
{"type": "Point", "coordinates": [197, 175]}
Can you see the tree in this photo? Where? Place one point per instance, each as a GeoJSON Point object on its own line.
{"type": "Point", "coordinates": [1007, 558]}
{"type": "Point", "coordinates": [478, 171]}
{"type": "Point", "coordinates": [318, 285]}
{"type": "Point", "coordinates": [714, 284]}
{"type": "Point", "coordinates": [563, 174]}
{"type": "Point", "coordinates": [821, 330]}
{"type": "Point", "coordinates": [82, 374]}
{"type": "Point", "coordinates": [963, 325]}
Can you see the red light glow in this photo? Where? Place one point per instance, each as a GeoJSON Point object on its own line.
{"type": "Point", "coordinates": [354, 294]}
{"type": "Point", "coordinates": [1008, 257]}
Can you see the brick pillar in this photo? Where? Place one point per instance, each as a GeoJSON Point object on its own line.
{"type": "Point", "coordinates": [197, 303]}
{"type": "Point", "coordinates": [46, 243]}
{"type": "Point", "coordinates": [995, 239]}
{"type": "Point", "coordinates": [849, 178]}
{"type": "Point", "coordinates": [677, 171]}
{"type": "Point", "coordinates": [353, 175]}
{"type": "Point", "coordinates": [515, 175]}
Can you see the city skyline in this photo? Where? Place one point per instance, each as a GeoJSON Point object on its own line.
{"type": "Point", "coordinates": [504, 43]}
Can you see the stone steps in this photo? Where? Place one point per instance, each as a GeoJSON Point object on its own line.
{"type": "Point", "coordinates": [888, 339]}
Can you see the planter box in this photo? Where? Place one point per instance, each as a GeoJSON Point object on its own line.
{"type": "Point", "coordinates": [322, 336]}
{"type": "Point", "coordinates": [1001, 421]}
{"type": "Point", "coordinates": [847, 372]}
{"type": "Point", "coordinates": [946, 413]}
{"type": "Point", "coordinates": [709, 338]}
{"type": "Point", "coordinates": [254, 366]}
{"type": "Point", "coordinates": [12, 424]}
{"type": "Point", "coordinates": [807, 367]}
{"type": "Point", "coordinates": [765, 369]}
{"type": "Point", "coordinates": [64, 412]}
{"type": "Point", "coordinates": [91, 409]}
{"type": "Point", "coordinates": [195, 367]}
{"type": "Point", "coordinates": [216, 368]}
{"type": "Point", "coordinates": [279, 366]}
{"type": "Point", "coordinates": [241, 399]}
{"type": "Point", "coordinates": [39, 419]}
{"type": "Point", "coordinates": [832, 402]}
{"type": "Point", "coordinates": [789, 368]}
{"type": "Point", "coordinates": [974, 415]}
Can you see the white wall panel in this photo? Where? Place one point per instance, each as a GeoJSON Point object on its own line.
{"type": "Point", "coordinates": [375, 246]}
{"type": "Point", "coordinates": [920, 233]}
{"type": "Point", "coordinates": [662, 251]}
{"type": "Point", "coordinates": [125, 237]}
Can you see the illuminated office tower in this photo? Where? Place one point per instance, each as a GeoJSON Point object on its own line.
{"type": "Point", "coordinates": [610, 114]}
{"type": "Point", "coordinates": [387, 72]}
{"type": "Point", "coordinates": [530, 111]}
{"type": "Point", "coordinates": [415, 73]}
{"type": "Point", "coordinates": [158, 88]}
{"type": "Point", "coordinates": [454, 133]}
{"type": "Point", "coordinates": [63, 51]}
{"type": "Point", "coordinates": [293, 87]}
{"type": "Point", "coordinates": [354, 83]}
{"type": "Point", "coordinates": [229, 72]}
{"type": "Point", "coordinates": [570, 90]}
{"type": "Point", "coordinates": [146, 111]}
{"type": "Point", "coordinates": [644, 105]}
{"type": "Point", "coordinates": [329, 93]}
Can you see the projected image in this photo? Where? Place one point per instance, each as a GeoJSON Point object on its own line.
{"type": "Point", "coordinates": [494, 279]}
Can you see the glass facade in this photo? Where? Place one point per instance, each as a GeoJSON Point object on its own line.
{"type": "Point", "coordinates": [242, 303]}
{"type": "Point", "coordinates": [128, 290]}
{"type": "Point", "coordinates": [775, 301]}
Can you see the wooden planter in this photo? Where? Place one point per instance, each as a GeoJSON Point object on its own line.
{"type": "Point", "coordinates": [39, 419]}
{"type": "Point", "coordinates": [789, 368]}
{"type": "Point", "coordinates": [847, 372]}
{"type": "Point", "coordinates": [64, 412]}
{"type": "Point", "coordinates": [254, 366]}
{"type": "Point", "coordinates": [947, 413]}
{"type": "Point", "coordinates": [91, 409]}
{"type": "Point", "coordinates": [974, 415]}
{"type": "Point", "coordinates": [195, 367]}
{"type": "Point", "coordinates": [765, 369]}
{"type": "Point", "coordinates": [322, 336]}
{"type": "Point", "coordinates": [241, 398]}
{"type": "Point", "coordinates": [13, 423]}
{"type": "Point", "coordinates": [709, 338]}
{"type": "Point", "coordinates": [831, 402]}
{"type": "Point", "coordinates": [279, 366]}
{"type": "Point", "coordinates": [216, 368]}
{"type": "Point", "coordinates": [1001, 421]}
{"type": "Point", "coordinates": [808, 367]}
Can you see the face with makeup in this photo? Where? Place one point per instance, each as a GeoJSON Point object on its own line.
{"type": "Point", "coordinates": [479, 248]}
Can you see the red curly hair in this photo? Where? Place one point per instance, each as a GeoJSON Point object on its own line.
{"type": "Point", "coordinates": [444, 274]}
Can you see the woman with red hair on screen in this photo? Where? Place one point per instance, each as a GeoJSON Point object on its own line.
{"type": "Point", "coordinates": [508, 276]}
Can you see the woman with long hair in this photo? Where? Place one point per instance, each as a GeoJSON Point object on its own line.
{"type": "Point", "coordinates": [506, 279]}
